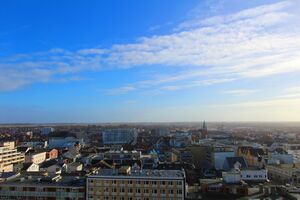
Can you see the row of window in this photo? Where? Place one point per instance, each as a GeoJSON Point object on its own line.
{"type": "Point", "coordinates": [130, 182]}
{"type": "Point", "coordinates": [132, 198]}
{"type": "Point", "coordinates": [256, 176]}
{"type": "Point", "coordinates": [137, 190]}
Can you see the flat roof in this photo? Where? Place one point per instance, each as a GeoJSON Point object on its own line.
{"type": "Point", "coordinates": [35, 181]}
{"type": "Point", "coordinates": [164, 174]}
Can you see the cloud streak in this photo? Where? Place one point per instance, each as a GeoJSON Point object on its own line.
{"type": "Point", "coordinates": [252, 43]}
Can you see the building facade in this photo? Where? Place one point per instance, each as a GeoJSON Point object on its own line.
{"type": "Point", "coordinates": [9, 156]}
{"type": "Point", "coordinates": [124, 184]}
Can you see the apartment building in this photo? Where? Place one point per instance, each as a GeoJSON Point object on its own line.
{"type": "Point", "coordinates": [9, 156]}
{"type": "Point", "coordinates": [127, 184]}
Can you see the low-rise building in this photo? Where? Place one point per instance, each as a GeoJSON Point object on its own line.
{"type": "Point", "coordinates": [35, 157]}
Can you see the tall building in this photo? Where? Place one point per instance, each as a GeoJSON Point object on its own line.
{"type": "Point", "coordinates": [204, 132]}
{"type": "Point", "coordinates": [9, 156]}
{"type": "Point", "coordinates": [127, 184]}
{"type": "Point", "coordinates": [119, 136]}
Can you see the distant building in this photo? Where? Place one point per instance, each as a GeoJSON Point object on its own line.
{"type": "Point", "coordinates": [64, 142]}
{"type": "Point", "coordinates": [280, 158]}
{"type": "Point", "coordinates": [163, 131]}
{"type": "Point", "coordinates": [119, 136]}
{"type": "Point", "coordinates": [136, 184]}
{"type": "Point", "coordinates": [204, 131]}
{"type": "Point", "coordinates": [47, 130]}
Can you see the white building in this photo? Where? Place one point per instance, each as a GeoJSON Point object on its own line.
{"type": "Point", "coordinates": [253, 175]}
{"type": "Point", "coordinates": [256, 175]}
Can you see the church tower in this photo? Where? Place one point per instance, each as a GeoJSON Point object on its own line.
{"type": "Point", "coordinates": [204, 130]}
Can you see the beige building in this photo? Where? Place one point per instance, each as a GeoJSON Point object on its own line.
{"type": "Point", "coordinates": [36, 158]}
{"type": "Point", "coordinates": [127, 184]}
{"type": "Point", "coordinates": [9, 156]}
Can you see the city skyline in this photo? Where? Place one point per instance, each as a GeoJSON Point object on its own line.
{"type": "Point", "coordinates": [158, 61]}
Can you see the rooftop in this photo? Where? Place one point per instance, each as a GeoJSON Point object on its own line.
{"type": "Point", "coordinates": [140, 173]}
{"type": "Point", "coordinates": [66, 181]}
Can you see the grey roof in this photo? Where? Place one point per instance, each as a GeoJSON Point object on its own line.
{"type": "Point", "coordinates": [160, 174]}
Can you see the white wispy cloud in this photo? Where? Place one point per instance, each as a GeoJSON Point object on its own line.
{"type": "Point", "coordinates": [21, 70]}
{"type": "Point", "coordinates": [240, 92]}
{"type": "Point", "coordinates": [253, 43]}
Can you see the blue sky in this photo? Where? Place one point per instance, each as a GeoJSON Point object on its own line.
{"type": "Point", "coordinates": [149, 61]}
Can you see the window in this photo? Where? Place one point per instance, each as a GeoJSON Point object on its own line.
{"type": "Point", "coordinates": [179, 191]}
